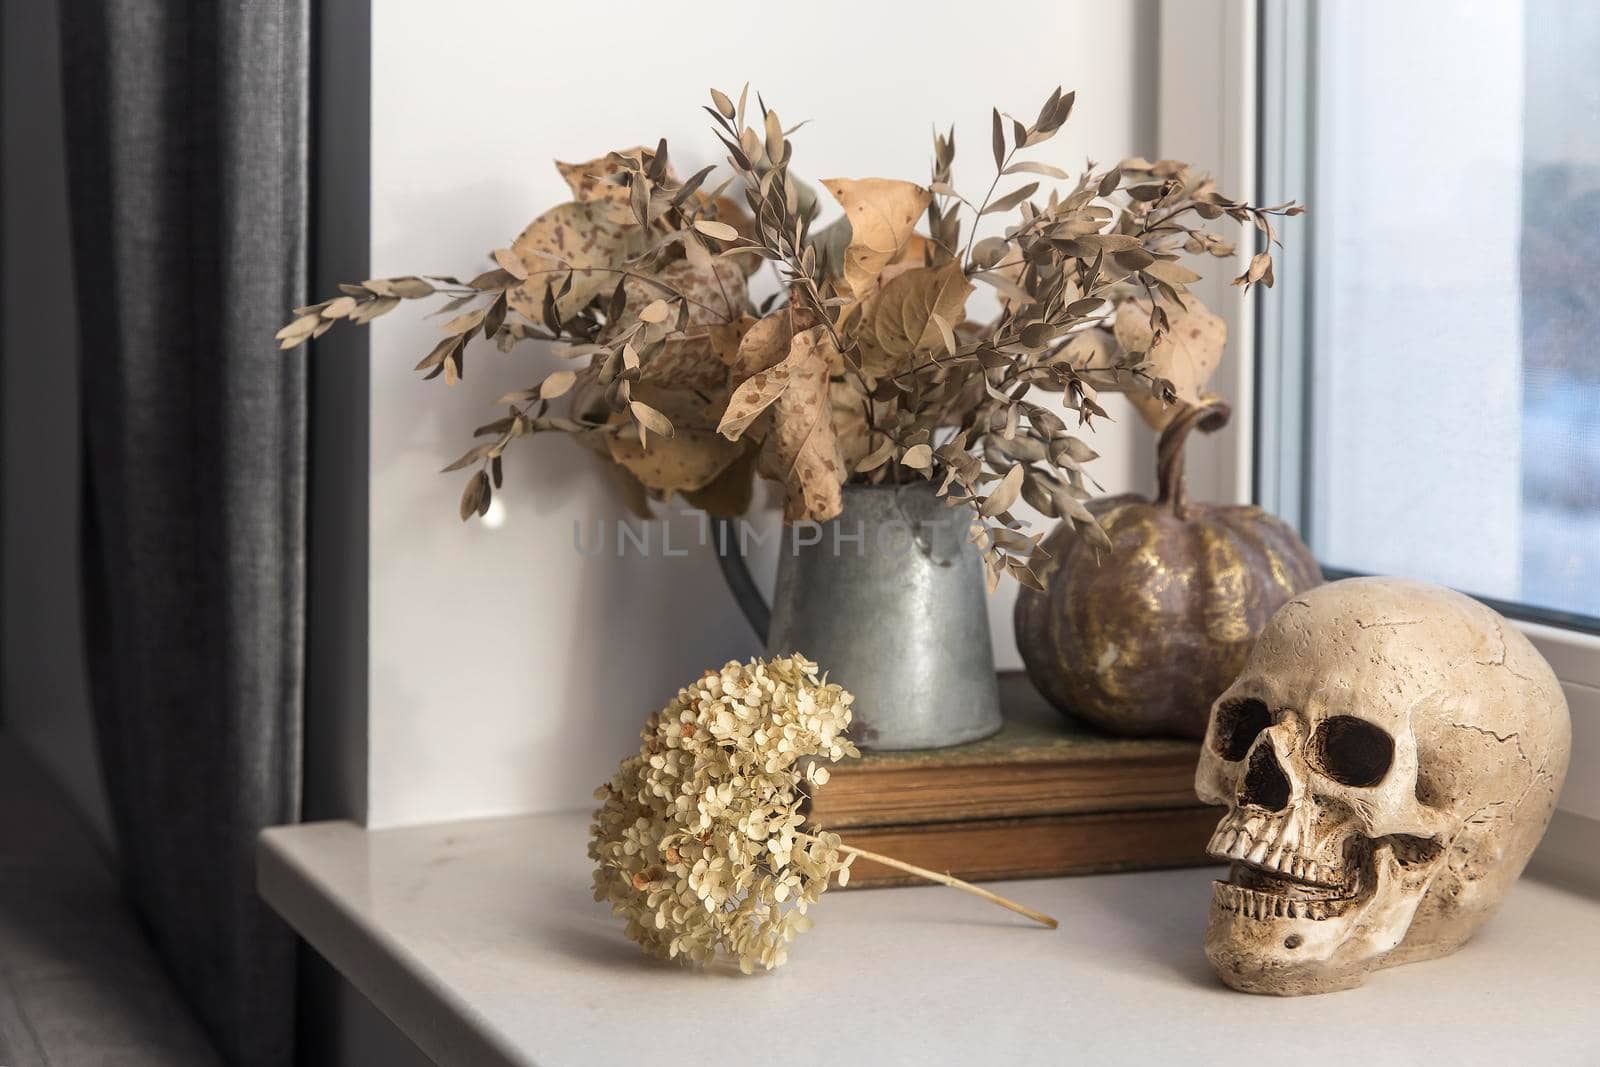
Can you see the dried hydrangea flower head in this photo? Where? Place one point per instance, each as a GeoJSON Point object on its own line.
{"type": "Point", "coordinates": [698, 839]}
{"type": "Point", "coordinates": [699, 842]}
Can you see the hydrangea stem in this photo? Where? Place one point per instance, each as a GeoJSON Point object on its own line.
{"type": "Point", "coordinates": [944, 879]}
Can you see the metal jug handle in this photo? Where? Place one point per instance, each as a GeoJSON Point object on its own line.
{"type": "Point", "coordinates": [730, 556]}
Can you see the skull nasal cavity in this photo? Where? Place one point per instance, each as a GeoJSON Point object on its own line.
{"type": "Point", "coordinates": [1265, 784]}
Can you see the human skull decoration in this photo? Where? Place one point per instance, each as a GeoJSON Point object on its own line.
{"type": "Point", "coordinates": [1389, 759]}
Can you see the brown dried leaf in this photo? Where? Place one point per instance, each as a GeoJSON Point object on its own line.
{"type": "Point", "coordinates": [689, 460]}
{"type": "Point", "coordinates": [726, 338]}
{"type": "Point", "coordinates": [1032, 167]}
{"type": "Point", "coordinates": [718, 230]}
{"type": "Point", "coordinates": [1187, 353]}
{"type": "Point", "coordinates": [715, 293]}
{"type": "Point", "coordinates": [511, 263]}
{"type": "Point", "coordinates": [557, 384]}
{"type": "Point", "coordinates": [765, 344]}
{"type": "Point", "coordinates": [298, 330]}
{"type": "Point", "coordinates": [410, 288]}
{"type": "Point", "coordinates": [729, 493]}
{"type": "Point", "coordinates": [903, 319]}
{"type": "Point", "coordinates": [849, 419]}
{"type": "Point", "coordinates": [475, 498]}
{"type": "Point", "coordinates": [650, 419]}
{"type": "Point", "coordinates": [1170, 272]}
{"type": "Point", "coordinates": [1004, 494]}
{"type": "Point", "coordinates": [1011, 199]}
{"type": "Point", "coordinates": [754, 396]}
{"type": "Point", "coordinates": [882, 214]}
{"type": "Point", "coordinates": [577, 235]}
{"type": "Point", "coordinates": [591, 181]}
{"type": "Point", "coordinates": [804, 446]}
{"type": "Point", "coordinates": [876, 458]}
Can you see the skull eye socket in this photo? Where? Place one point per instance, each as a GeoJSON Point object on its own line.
{"type": "Point", "coordinates": [1351, 751]}
{"type": "Point", "coordinates": [1238, 724]}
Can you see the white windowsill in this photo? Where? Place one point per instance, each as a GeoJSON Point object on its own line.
{"type": "Point", "coordinates": [480, 940]}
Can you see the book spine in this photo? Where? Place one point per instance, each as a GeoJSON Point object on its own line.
{"type": "Point", "coordinates": [1038, 847]}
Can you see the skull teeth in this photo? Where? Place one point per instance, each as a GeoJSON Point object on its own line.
{"type": "Point", "coordinates": [1272, 848]}
{"type": "Point", "coordinates": [1259, 904]}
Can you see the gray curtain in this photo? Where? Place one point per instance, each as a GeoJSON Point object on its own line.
{"type": "Point", "coordinates": [186, 133]}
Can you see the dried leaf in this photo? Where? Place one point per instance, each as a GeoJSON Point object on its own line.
{"type": "Point", "coordinates": [918, 457]}
{"type": "Point", "coordinates": [876, 458]}
{"type": "Point", "coordinates": [726, 338]}
{"type": "Point", "coordinates": [592, 182]}
{"type": "Point", "coordinates": [1171, 273]}
{"type": "Point", "coordinates": [374, 309]}
{"type": "Point", "coordinates": [650, 419]}
{"type": "Point", "coordinates": [557, 384]}
{"type": "Point", "coordinates": [467, 322]}
{"type": "Point", "coordinates": [1186, 354]}
{"type": "Point", "coordinates": [511, 263]}
{"type": "Point", "coordinates": [714, 293]}
{"type": "Point", "coordinates": [903, 318]}
{"type": "Point", "coordinates": [754, 396]}
{"type": "Point", "coordinates": [729, 493]}
{"type": "Point", "coordinates": [882, 214]}
{"type": "Point", "coordinates": [475, 498]}
{"type": "Point", "coordinates": [803, 444]}
{"type": "Point", "coordinates": [410, 288]}
{"type": "Point", "coordinates": [686, 461]}
{"type": "Point", "coordinates": [1004, 494]}
{"type": "Point", "coordinates": [1031, 167]}
{"type": "Point", "coordinates": [947, 333]}
{"type": "Point", "coordinates": [765, 344]}
{"type": "Point", "coordinates": [990, 251]}
{"type": "Point", "coordinates": [1260, 270]}
{"type": "Point", "coordinates": [721, 231]}
{"type": "Point", "coordinates": [298, 330]}
{"type": "Point", "coordinates": [576, 235]}
{"type": "Point", "coordinates": [1011, 199]}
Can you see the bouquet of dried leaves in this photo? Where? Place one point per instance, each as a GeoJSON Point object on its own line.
{"type": "Point", "coordinates": [864, 366]}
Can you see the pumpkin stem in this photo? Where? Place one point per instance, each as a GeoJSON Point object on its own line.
{"type": "Point", "coordinates": [1210, 416]}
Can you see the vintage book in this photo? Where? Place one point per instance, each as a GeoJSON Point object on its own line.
{"type": "Point", "coordinates": [1045, 796]}
{"type": "Point", "coordinates": [1040, 763]}
{"type": "Point", "coordinates": [1036, 847]}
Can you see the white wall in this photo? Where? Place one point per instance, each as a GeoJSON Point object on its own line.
{"type": "Point", "coordinates": [507, 672]}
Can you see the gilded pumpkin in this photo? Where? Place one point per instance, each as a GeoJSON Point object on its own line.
{"type": "Point", "coordinates": [1144, 639]}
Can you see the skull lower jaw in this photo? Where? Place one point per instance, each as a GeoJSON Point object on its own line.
{"type": "Point", "coordinates": [1263, 937]}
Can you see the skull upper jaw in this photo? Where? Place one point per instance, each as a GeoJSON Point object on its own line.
{"type": "Point", "coordinates": [1256, 945]}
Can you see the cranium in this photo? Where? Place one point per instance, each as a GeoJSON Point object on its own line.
{"type": "Point", "coordinates": [1389, 759]}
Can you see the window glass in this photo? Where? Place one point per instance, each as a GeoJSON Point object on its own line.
{"type": "Point", "coordinates": [1454, 370]}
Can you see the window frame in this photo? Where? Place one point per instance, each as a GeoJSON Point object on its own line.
{"type": "Point", "coordinates": [1260, 82]}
